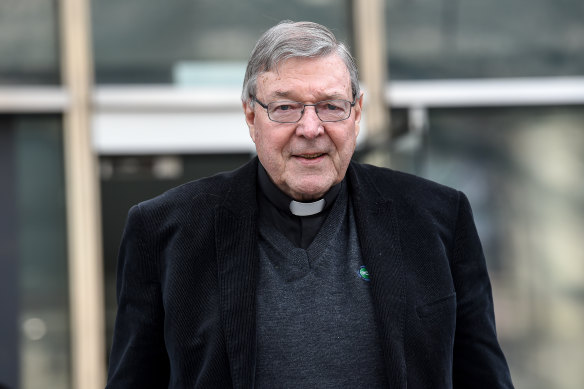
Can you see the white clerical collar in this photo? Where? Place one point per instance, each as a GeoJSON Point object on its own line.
{"type": "Point", "coordinates": [285, 203]}
{"type": "Point", "coordinates": [306, 209]}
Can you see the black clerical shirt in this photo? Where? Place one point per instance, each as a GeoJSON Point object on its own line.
{"type": "Point", "coordinates": [274, 206]}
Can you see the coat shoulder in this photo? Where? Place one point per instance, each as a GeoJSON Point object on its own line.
{"type": "Point", "coordinates": [404, 187]}
{"type": "Point", "coordinates": [204, 193]}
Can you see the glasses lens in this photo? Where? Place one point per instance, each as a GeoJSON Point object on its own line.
{"type": "Point", "coordinates": [291, 111]}
{"type": "Point", "coordinates": [333, 110]}
{"type": "Point", "coordinates": [285, 111]}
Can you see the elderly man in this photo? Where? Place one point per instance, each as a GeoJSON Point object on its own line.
{"type": "Point", "coordinates": [301, 268]}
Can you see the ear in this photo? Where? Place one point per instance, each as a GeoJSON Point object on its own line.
{"type": "Point", "coordinates": [358, 109]}
{"type": "Point", "coordinates": [249, 118]}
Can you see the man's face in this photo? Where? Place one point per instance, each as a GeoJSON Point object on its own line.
{"type": "Point", "coordinates": [306, 158]}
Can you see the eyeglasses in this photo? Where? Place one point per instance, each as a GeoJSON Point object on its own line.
{"type": "Point", "coordinates": [292, 111]}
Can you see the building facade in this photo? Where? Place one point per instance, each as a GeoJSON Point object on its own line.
{"type": "Point", "coordinates": [106, 103]}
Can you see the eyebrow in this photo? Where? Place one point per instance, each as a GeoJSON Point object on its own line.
{"type": "Point", "coordinates": [287, 95]}
{"type": "Point", "coordinates": [281, 94]}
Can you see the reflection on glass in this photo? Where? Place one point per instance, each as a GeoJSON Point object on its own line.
{"type": "Point", "coordinates": [522, 170]}
{"type": "Point", "coordinates": [475, 38]}
{"type": "Point", "coordinates": [29, 52]}
{"type": "Point", "coordinates": [42, 258]}
{"type": "Point", "coordinates": [165, 34]}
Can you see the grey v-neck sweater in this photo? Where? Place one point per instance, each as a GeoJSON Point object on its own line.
{"type": "Point", "coordinates": [315, 319]}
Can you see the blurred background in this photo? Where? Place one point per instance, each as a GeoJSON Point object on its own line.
{"type": "Point", "coordinates": [104, 106]}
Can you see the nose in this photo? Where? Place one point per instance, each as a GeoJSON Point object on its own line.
{"type": "Point", "coordinates": [310, 125]}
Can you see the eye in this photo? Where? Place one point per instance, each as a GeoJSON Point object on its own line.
{"type": "Point", "coordinates": [283, 107]}
{"type": "Point", "coordinates": [332, 105]}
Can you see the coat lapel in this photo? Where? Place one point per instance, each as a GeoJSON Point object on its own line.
{"type": "Point", "coordinates": [378, 233]}
{"type": "Point", "coordinates": [237, 263]}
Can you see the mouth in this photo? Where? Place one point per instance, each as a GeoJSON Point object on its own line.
{"type": "Point", "coordinates": [310, 156]}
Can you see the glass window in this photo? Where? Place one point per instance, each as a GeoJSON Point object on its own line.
{"type": "Point", "coordinates": [29, 50]}
{"type": "Point", "coordinates": [522, 170]}
{"type": "Point", "coordinates": [34, 278]}
{"type": "Point", "coordinates": [475, 38]}
{"type": "Point", "coordinates": [176, 41]}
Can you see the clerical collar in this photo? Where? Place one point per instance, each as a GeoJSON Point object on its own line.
{"type": "Point", "coordinates": [289, 205]}
{"type": "Point", "coordinates": [306, 209]}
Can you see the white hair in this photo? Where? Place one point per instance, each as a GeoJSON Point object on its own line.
{"type": "Point", "coordinates": [288, 40]}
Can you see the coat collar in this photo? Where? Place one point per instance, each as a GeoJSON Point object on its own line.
{"type": "Point", "coordinates": [378, 231]}
{"type": "Point", "coordinates": [236, 230]}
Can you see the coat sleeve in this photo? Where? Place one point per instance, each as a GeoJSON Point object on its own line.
{"type": "Point", "coordinates": [138, 357]}
{"type": "Point", "coordinates": [478, 359]}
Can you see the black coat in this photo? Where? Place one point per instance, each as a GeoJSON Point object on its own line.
{"type": "Point", "coordinates": [187, 276]}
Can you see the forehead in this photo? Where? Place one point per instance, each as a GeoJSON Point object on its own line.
{"type": "Point", "coordinates": [306, 79]}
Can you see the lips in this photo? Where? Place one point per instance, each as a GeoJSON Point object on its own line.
{"type": "Point", "coordinates": [311, 156]}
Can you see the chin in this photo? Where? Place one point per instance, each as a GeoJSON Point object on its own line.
{"type": "Point", "coordinates": [309, 192]}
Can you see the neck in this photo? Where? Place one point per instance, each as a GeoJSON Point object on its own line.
{"type": "Point", "coordinates": [304, 206]}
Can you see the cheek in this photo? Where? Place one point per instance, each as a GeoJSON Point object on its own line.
{"type": "Point", "coordinates": [271, 149]}
{"type": "Point", "coordinates": [345, 142]}
{"type": "Point", "coordinates": [275, 142]}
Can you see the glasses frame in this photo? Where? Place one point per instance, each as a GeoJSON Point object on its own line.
{"type": "Point", "coordinates": [265, 106]}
